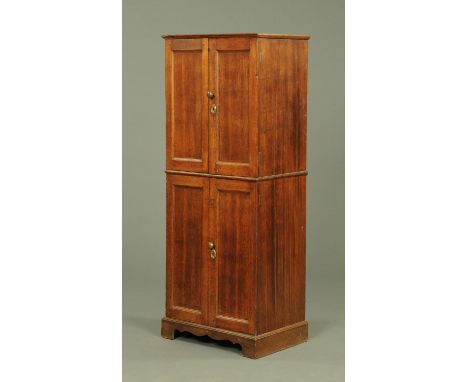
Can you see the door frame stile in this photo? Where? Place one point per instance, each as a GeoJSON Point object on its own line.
{"type": "Point", "coordinates": [212, 268]}
{"type": "Point", "coordinates": [212, 120]}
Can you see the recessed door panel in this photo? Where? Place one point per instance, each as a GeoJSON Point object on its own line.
{"type": "Point", "coordinates": [232, 78]}
{"type": "Point", "coordinates": [187, 227]}
{"type": "Point", "coordinates": [233, 119]}
{"type": "Point", "coordinates": [232, 272]}
{"type": "Point", "coordinates": [187, 104]}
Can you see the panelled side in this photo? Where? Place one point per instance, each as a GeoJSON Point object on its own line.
{"type": "Point", "coordinates": [281, 256]}
{"type": "Point", "coordinates": [282, 105]}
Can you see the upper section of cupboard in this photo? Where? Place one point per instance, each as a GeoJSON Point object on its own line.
{"type": "Point", "coordinates": [236, 104]}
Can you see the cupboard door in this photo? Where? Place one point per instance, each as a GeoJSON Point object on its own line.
{"type": "Point", "coordinates": [233, 125]}
{"type": "Point", "coordinates": [232, 272]}
{"type": "Point", "coordinates": [187, 104]}
{"type": "Point", "coordinates": [187, 257]}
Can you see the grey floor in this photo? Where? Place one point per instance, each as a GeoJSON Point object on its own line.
{"type": "Point", "coordinates": [149, 357]}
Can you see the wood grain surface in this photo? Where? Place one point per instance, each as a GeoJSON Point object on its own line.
{"type": "Point", "coordinates": [236, 177]}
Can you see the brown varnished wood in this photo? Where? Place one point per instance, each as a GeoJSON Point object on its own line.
{"type": "Point", "coordinates": [281, 253]}
{"type": "Point", "coordinates": [232, 78]}
{"type": "Point", "coordinates": [282, 105]}
{"type": "Point", "coordinates": [229, 35]}
{"type": "Point", "coordinates": [186, 116]}
{"type": "Point", "coordinates": [267, 304]}
{"type": "Point", "coordinates": [232, 273]}
{"type": "Point", "coordinates": [260, 119]}
{"type": "Point", "coordinates": [187, 44]}
{"type": "Point", "coordinates": [237, 179]}
{"type": "Point", "coordinates": [186, 236]}
{"type": "Point", "coordinates": [253, 346]}
{"type": "Point", "coordinates": [248, 178]}
{"type": "Point", "coordinates": [233, 106]}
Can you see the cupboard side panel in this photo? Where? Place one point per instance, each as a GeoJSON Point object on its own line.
{"type": "Point", "coordinates": [266, 277]}
{"type": "Point", "coordinates": [282, 105]}
{"type": "Point", "coordinates": [281, 253]}
{"type": "Point", "coordinates": [298, 264]}
{"type": "Point", "coordinates": [290, 247]}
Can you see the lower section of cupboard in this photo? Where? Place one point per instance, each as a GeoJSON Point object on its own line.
{"type": "Point", "coordinates": [236, 260]}
{"type": "Point", "coordinates": [253, 346]}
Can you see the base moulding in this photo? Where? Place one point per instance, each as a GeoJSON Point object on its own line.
{"type": "Point", "coordinates": [253, 346]}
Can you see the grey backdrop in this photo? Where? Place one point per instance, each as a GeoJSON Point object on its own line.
{"type": "Point", "coordinates": [146, 356]}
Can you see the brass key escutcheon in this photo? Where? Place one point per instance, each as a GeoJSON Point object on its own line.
{"type": "Point", "coordinates": [211, 246]}
{"type": "Point", "coordinates": [213, 109]}
{"type": "Point", "coordinates": [213, 253]}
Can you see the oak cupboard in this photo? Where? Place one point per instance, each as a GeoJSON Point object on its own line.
{"type": "Point", "coordinates": [236, 124]}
